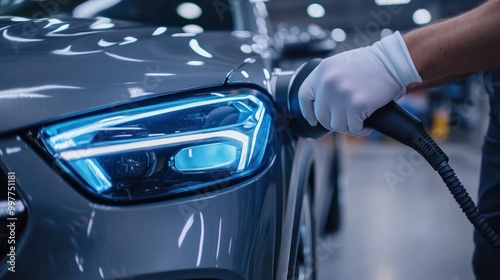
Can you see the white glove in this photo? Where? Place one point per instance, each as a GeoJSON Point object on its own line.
{"type": "Point", "coordinates": [347, 88]}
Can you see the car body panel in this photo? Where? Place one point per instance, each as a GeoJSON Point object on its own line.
{"type": "Point", "coordinates": [71, 236]}
{"type": "Point", "coordinates": [252, 73]}
{"type": "Point", "coordinates": [79, 75]}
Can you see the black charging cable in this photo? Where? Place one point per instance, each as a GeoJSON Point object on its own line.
{"type": "Point", "coordinates": [397, 123]}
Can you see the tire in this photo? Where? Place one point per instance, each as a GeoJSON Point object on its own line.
{"type": "Point", "coordinates": [333, 221]}
{"type": "Point", "coordinates": [304, 266]}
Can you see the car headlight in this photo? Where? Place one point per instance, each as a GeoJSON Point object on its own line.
{"type": "Point", "coordinates": [169, 148]}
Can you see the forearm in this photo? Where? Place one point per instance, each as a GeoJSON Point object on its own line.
{"type": "Point", "coordinates": [452, 48]}
{"type": "Point", "coordinates": [430, 83]}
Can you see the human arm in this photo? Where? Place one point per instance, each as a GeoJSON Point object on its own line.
{"type": "Point", "coordinates": [464, 44]}
{"type": "Point", "coordinates": [347, 88]}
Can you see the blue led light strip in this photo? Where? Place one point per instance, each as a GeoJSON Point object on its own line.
{"type": "Point", "coordinates": [149, 144]}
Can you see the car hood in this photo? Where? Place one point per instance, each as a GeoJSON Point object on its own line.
{"type": "Point", "coordinates": [55, 68]}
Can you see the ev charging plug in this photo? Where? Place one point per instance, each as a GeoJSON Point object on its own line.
{"type": "Point", "coordinates": [394, 122]}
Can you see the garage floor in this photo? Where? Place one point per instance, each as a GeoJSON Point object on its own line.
{"type": "Point", "coordinates": [399, 221]}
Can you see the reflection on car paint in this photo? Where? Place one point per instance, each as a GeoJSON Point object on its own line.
{"type": "Point", "coordinates": [195, 46]}
{"type": "Point", "coordinates": [68, 51]}
{"type": "Point", "coordinates": [59, 29]}
{"type": "Point", "coordinates": [102, 23]}
{"type": "Point", "coordinates": [12, 150]}
{"type": "Point", "coordinates": [19, 19]}
{"type": "Point", "coordinates": [202, 237]}
{"type": "Point", "coordinates": [119, 57]}
{"type": "Point", "coordinates": [128, 40]}
{"type": "Point", "coordinates": [32, 92]}
{"type": "Point", "coordinates": [103, 43]}
{"type": "Point", "coordinates": [185, 230]}
{"type": "Point", "coordinates": [52, 21]}
{"type": "Point", "coordinates": [187, 226]}
{"type": "Point", "coordinates": [19, 39]}
{"type": "Point", "coordinates": [91, 222]}
{"type": "Point", "coordinates": [195, 63]}
{"type": "Point", "coordinates": [159, 74]}
{"type": "Point", "coordinates": [160, 30]}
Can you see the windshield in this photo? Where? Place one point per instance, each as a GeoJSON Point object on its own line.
{"type": "Point", "coordinates": [191, 15]}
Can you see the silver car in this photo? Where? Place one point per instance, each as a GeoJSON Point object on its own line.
{"type": "Point", "coordinates": [142, 140]}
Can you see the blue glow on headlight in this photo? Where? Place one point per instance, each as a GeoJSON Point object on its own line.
{"type": "Point", "coordinates": [206, 157]}
{"type": "Point", "coordinates": [90, 169]}
{"type": "Point", "coordinates": [166, 148]}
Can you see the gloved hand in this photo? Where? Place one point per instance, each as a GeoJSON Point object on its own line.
{"type": "Point", "coordinates": [345, 89]}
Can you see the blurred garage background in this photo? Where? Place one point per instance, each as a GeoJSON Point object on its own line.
{"type": "Point", "coordinates": [398, 219]}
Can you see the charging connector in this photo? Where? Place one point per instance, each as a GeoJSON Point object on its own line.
{"type": "Point", "coordinates": [397, 123]}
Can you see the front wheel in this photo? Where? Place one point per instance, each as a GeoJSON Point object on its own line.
{"type": "Point", "coordinates": [303, 267]}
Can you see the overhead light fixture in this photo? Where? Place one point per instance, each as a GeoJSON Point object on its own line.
{"type": "Point", "coordinates": [422, 16]}
{"type": "Point", "coordinates": [315, 10]}
{"type": "Point", "coordinates": [316, 31]}
{"type": "Point", "coordinates": [391, 2]}
{"type": "Point", "coordinates": [189, 10]}
{"type": "Point", "coordinates": [339, 35]}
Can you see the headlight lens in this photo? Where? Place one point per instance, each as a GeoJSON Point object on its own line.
{"type": "Point", "coordinates": [168, 148]}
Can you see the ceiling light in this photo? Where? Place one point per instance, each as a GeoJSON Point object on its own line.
{"type": "Point", "coordinates": [422, 16]}
{"type": "Point", "coordinates": [391, 2]}
{"type": "Point", "coordinates": [316, 31]}
{"type": "Point", "coordinates": [339, 35]}
{"type": "Point", "coordinates": [315, 10]}
{"type": "Point", "coordinates": [189, 10]}
{"type": "Point", "coordinates": [294, 30]}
